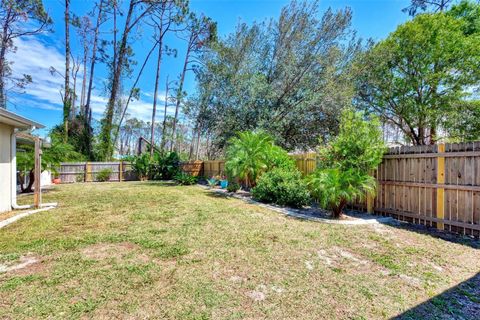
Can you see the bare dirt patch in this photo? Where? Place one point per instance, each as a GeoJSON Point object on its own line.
{"type": "Point", "coordinates": [336, 256]}
{"type": "Point", "coordinates": [25, 265]}
{"type": "Point", "coordinates": [101, 251]}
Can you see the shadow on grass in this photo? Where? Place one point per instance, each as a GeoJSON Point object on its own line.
{"type": "Point", "coordinates": [160, 183]}
{"type": "Point", "coordinates": [435, 233]}
{"type": "Point", "coordinates": [459, 302]}
{"type": "Point", "coordinates": [217, 195]}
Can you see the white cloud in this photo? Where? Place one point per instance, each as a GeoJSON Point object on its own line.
{"type": "Point", "coordinates": [35, 57]}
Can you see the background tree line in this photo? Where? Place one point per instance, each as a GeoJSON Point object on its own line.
{"type": "Point", "coordinates": [289, 76]}
{"type": "Point", "coordinates": [292, 76]}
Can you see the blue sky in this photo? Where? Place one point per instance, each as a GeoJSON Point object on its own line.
{"type": "Point", "coordinates": [35, 55]}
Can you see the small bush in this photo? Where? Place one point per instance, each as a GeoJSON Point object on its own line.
{"type": "Point", "coordinates": [284, 187]}
{"type": "Point", "coordinates": [80, 177]}
{"type": "Point", "coordinates": [233, 187]}
{"type": "Point", "coordinates": [104, 175]}
{"type": "Point", "coordinates": [165, 166]}
{"type": "Point", "coordinates": [185, 178]}
{"type": "Point", "coordinates": [250, 154]}
{"type": "Point", "coordinates": [141, 165]}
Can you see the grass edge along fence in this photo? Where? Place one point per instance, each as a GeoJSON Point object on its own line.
{"type": "Point", "coordinates": [435, 185]}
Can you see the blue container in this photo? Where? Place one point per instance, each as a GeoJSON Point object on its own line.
{"type": "Point", "coordinates": [223, 184]}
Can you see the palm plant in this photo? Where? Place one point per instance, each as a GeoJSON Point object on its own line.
{"type": "Point", "coordinates": [343, 175]}
{"type": "Point", "coordinates": [335, 188]}
{"type": "Point", "coordinates": [252, 153]}
{"type": "Point", "coordinates": [141, 165]}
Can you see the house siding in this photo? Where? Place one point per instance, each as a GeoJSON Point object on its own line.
{"type": "Point", "coordinates": [5, 168]}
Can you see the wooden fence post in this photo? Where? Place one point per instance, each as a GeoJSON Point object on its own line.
{"type": "Point", "coordinates": [120, 171]}
{"type": "Point", "coordinates": [88, 174]}
{"type": "Point", "coordinates": [440, 190]}
{"type": "Point", "coordinates": [370, 199]}
{"type": "Point", "coordinates": [37, 197]}
{"type": "Point", "coordinates": [370, 203]}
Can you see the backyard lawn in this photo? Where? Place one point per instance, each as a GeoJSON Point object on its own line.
{"type": "Point", "coordinates": [156, 250]}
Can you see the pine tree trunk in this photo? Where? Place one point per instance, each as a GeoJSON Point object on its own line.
{"type": "Point", "coordinates": [107, 123]}
{"type": "Point", "coordinates": [157, 78]}
{"type": "Point", "coordinates": [66, 98]}
{"type": "Point", "coordinates": [3, 51]}
{"type": "Point", "coordinates": [179, 94]}
{"type": "Point", "coordinates": [88, 112]}
{"type": "Point", "coordinates": [84, 81]}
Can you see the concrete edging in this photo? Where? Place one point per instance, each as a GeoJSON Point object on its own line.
{"type": "Point", "coordinates": [294, 213]}
{"type": "Point", "coordinates": [11, 220]}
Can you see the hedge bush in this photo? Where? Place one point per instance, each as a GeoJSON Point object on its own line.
{"type": "Point", "coordinates": [282, 186]}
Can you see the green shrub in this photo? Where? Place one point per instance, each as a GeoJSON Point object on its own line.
{"type": "Point", "coordinates": [165, 166]}
{"type": "Point", "coordinates": [80, 177]}
{"type": "Point", "coordinates": [162, 166]}
{"type": "Point", "coordinates": [334, 188]}
{"type": "Point", "coordinates": [185, 178]}
{"type": "Point", "coordinates": [141, 165]}
{"type": "Point", "coordinates": [250, 154]}
{"type": "Point", "coordinates": [343, 175]}
{"type": "Point", "coordinates": [282, 186]}
{"type": "Point", "coordinates": [233, 186]}
{"type": "Point", "coordinates": [104, 175]}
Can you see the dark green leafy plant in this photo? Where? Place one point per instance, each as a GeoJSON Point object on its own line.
{"type": "Point", "coordinates": [250, 154]}
{"type": "Point", "coordinates": [185, 178]}
{"type": "Point", "coordinates": [51, 158]}
{"type": "Point", "coordinates": [233, 186]}
{"type": "Point", "coordinates": [343, 175]}
{"type": "Point", "coordinates": [282, 186]}
{"type": "Point", "coordinates": [334, 188]}
{"type": "Point", "coordinates": [165, 166]}
{"type": "Point", "coordinates": [103, 175]}
{"type": "Point", "coordinates": [141, 166]}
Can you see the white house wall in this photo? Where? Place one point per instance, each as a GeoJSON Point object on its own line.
{"type": "Point", "coordinates": [5, 167]}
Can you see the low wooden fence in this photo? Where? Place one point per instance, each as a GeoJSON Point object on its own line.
{"type": "Point", "coordinates": [70, 172]}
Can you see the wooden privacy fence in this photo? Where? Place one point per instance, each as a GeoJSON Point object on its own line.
{"type": "Point", "coordinates": [195, 168]}
{"type": "Point", "coordinates": [436, 185]}
{"type": "Point", "coordinates": [306, 163]}
{"type": "Point", "coordinates": [432, 185]}
{"type": "Point", "coordinates": [87, 171]}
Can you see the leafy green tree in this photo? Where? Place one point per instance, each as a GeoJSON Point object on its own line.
{"type": "Point", "coordinates": [18, 18]}
{"type": "Point", "coordinates": [52, 156]}
{"type": "Point", "coordinates": [469, 12]}
{"type": "Point", "coordinates": [344, 173]}
{"type": "Point", "coordinates": [253, 153]}
{"type": "Point", "coordinates": [288, 76]}
{"type": "Point", "coordinates": [463, 122]}
{"type": "Point", "coordinates": [418, 6]}
{"type": "Point", "coordinates": [416, 76]}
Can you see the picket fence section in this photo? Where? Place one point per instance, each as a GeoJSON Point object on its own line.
{"type": "Point", "coordinates": [435, 185]}
{"type": "Point", "coordinates": [70, 172]}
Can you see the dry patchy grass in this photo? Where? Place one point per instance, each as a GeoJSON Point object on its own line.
{"type": "Point", "coordinates": [155, 250]}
